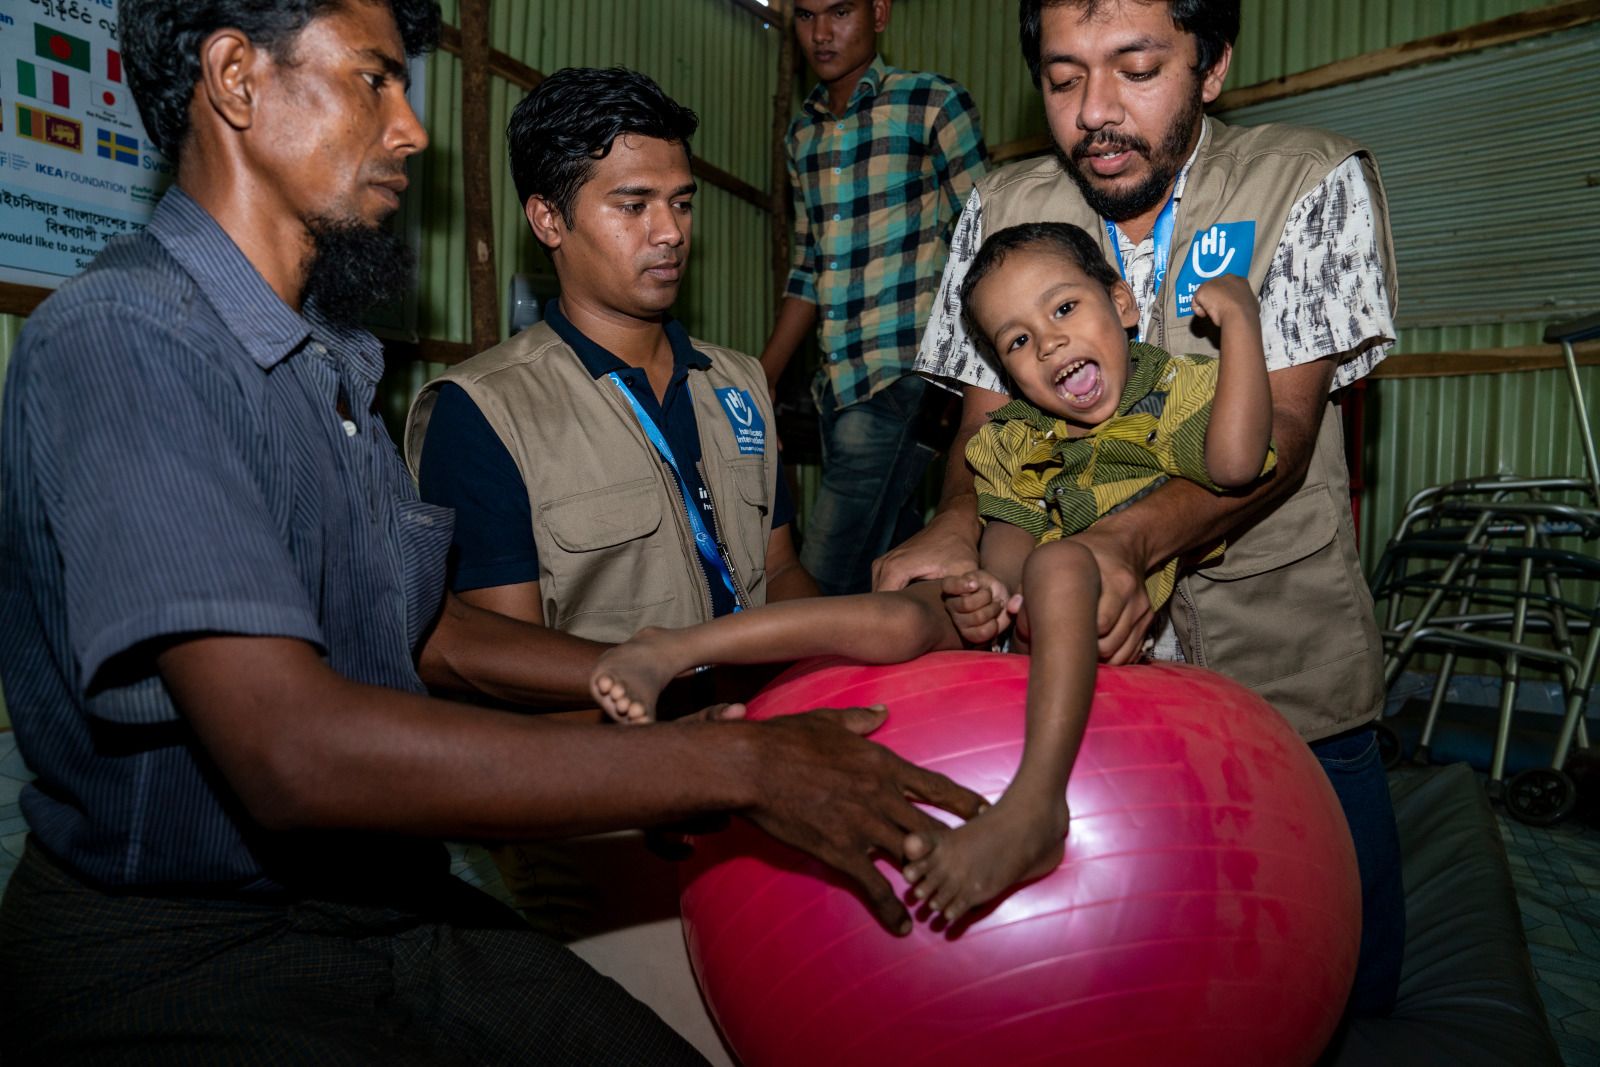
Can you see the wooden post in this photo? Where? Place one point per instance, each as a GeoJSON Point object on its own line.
{"type": "Point", "coordinates": [481, 282]}
{"type": "Point", "coordinates": [782, 98]}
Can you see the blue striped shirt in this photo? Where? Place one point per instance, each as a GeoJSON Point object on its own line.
{"type": "Point", "coordinates": [173, 461]}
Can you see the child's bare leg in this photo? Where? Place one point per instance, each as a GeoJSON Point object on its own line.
{"type": "Point", "coordinates": [1021, 836]}
{"type": "Point", "coordinates": [872, 627]}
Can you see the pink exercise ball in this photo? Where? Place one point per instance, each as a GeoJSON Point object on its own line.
{"type": "Point", "coordinates": [1207, 910]}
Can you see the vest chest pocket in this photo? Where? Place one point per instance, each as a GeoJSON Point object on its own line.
{"type": "Point", "coordinates": [747, 532]}
{"type": "Point", "coordinates": [597, 553]}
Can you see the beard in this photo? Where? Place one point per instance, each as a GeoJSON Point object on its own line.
{"type": "Point", "coordinates": [354, 267]}
{"type": "Point", "coordinates": [1165, 163]}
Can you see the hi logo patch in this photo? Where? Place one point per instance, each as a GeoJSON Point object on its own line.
{"type": "Point", "coordinates": [1225, 248]}
{"type": "Point", "coordinates": [749, 428]}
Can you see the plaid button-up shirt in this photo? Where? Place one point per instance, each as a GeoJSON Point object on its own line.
{"type": "Point", "coordinates": [875, 193]}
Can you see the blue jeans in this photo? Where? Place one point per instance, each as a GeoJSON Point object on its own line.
{"type": "Point", "coordinates": [1356, 771]}
{"type": "Point", "coordinates": [871, 463]}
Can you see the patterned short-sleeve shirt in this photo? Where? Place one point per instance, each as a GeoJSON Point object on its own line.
{"type": "Point", "coordinates": [875, 191]}
{"type": "Point", "coordinates": [1031, 474]}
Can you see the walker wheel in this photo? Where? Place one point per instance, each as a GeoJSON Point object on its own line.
{"type": "Point", "coordinates": [1540, 796]}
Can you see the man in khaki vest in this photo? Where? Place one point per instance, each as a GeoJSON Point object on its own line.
{"type": "Point", "coordinates": [1176, 198]}
{"type": "Point", "coordinates": [608, 473]}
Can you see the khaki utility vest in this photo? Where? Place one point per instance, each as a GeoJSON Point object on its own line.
{"type": "Point", "coordinates": [1286, 610]}
{"type": "Point", "coordinates": [615, 548]}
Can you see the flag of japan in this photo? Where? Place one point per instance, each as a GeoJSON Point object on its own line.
{"type": "Point", "coordinates": [109, 97]}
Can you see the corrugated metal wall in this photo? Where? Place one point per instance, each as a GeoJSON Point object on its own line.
{"type": "Point", "coordinates": [1473, 229]}
{"type": "Point", "coordinates": [975, 42]}
{"type": "Point", "coordinates": [1472, 274]}
{"type": "Point", "coordinates": [1427, 431]}
{"type": "Point", "coordinates": [708, 55]}
{"type": "Point", "coordinates": [1281, 37]}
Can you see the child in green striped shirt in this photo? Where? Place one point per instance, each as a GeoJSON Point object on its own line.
{"type": "Point", "coordinates": [1098, 423]}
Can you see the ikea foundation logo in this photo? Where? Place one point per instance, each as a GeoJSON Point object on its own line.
{"type": "Point", "coordinates": [1225, 248]}
{"type": "Point", "coordinates": [749, 428]}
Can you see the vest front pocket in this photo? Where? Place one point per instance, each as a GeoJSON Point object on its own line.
{"type": "Point", "coordinates": [597, 557]}
{"type": "Point", "coordinates": [1287, 611]}
{"type": "Point", "coordinates": [749, 530]}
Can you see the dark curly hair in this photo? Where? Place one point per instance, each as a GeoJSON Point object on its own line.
{"type": "Point", "coordinates": [1214, 25]}
{"type": "Point", "coordinates": [570, 121]}
{"type": "Point", "coordinates": [1070, 242]}
{"type": "Point", "coordinates": [161, 42]}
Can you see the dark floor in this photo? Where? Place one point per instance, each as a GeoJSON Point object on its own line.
{"type": "Point", "coordinates": [1557, 873]}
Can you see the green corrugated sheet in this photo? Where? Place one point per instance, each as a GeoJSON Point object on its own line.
{"type": "Point", "coordinates": [708, 55]}
{"type": "Point", "coordinates": [975, 42]}
{"type": "Point", "coordinates": [1281, 37]}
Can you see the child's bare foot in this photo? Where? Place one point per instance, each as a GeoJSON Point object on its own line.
{"type": "Point", "coordinates": [630, 676]}
{"type": "Point", "coordinates": [1015, 841]}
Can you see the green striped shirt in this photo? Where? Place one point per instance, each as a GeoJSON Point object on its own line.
{"type": "Point", "coordinates": [1031, 474]}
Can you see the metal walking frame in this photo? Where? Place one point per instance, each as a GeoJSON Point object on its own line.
{"type": "Point", "coordinates": [1486, 567]}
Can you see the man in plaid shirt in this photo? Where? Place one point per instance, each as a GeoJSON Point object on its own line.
{"type": "Point", "coordinates": [880, 161]}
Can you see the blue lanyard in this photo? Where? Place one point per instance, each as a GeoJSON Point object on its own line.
{"type": "Point", "coordinates": [703, 541]}
{"type": "Point", "coordinates": [1162, 235]}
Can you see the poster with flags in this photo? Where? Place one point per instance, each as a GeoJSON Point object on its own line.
{"type": "Point", "coordinates": [75, 166]}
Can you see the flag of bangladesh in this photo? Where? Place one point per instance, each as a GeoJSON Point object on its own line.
{"type": "Point", "coordinates": [61, 47]}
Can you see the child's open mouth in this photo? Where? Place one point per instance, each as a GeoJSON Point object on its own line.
{"type": "Point", "coordinates": [1079, 383]}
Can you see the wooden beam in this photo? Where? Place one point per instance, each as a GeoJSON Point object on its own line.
{"type": "Point", "coordinates": [1517, 27]}
{"type": "Point", "coordinates": [426, 350]}
{"type": "Point", "coordinates": [501, 65]}
{"type": "Point", "coordinates": [525, 78]}
{"type": "Point", "coordinates": [1484, 361]}
{"type": "Point", "coordinates": [482, 284]}
{"type": "Point", "coordinates": [1022, 148]}
{"type": "Point", "coordinates": [21, 299]}
{"type": "Point", "coordinates": [728, 183]}
{"type": "Point", "coordinates": [782, 102]}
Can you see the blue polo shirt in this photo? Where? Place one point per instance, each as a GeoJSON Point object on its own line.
{"type": "Point", "coordinates": [465, 466]}
{"type": "Point", "coordinates": [182, 453]}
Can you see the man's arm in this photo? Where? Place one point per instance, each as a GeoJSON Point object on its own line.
{"type": "Point", "coordinates": [797, 317]}
{"type": "Point", "coordinates": [493, 643]}
{"type": "Point", "coordinates": [304, 747]}
{"type": "Point", "coordinates": [959, 155]}
{"type": "Point", "coordinates": [786, 578]}
{"type": "Point", "coordinates": [797, 314]}
{"type": "Point", "coordinates": [948, 545]}
{"type": "Point", "coordinates": [1181, 516]}
{"type": "Point", "coordinates": [475, 647]}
